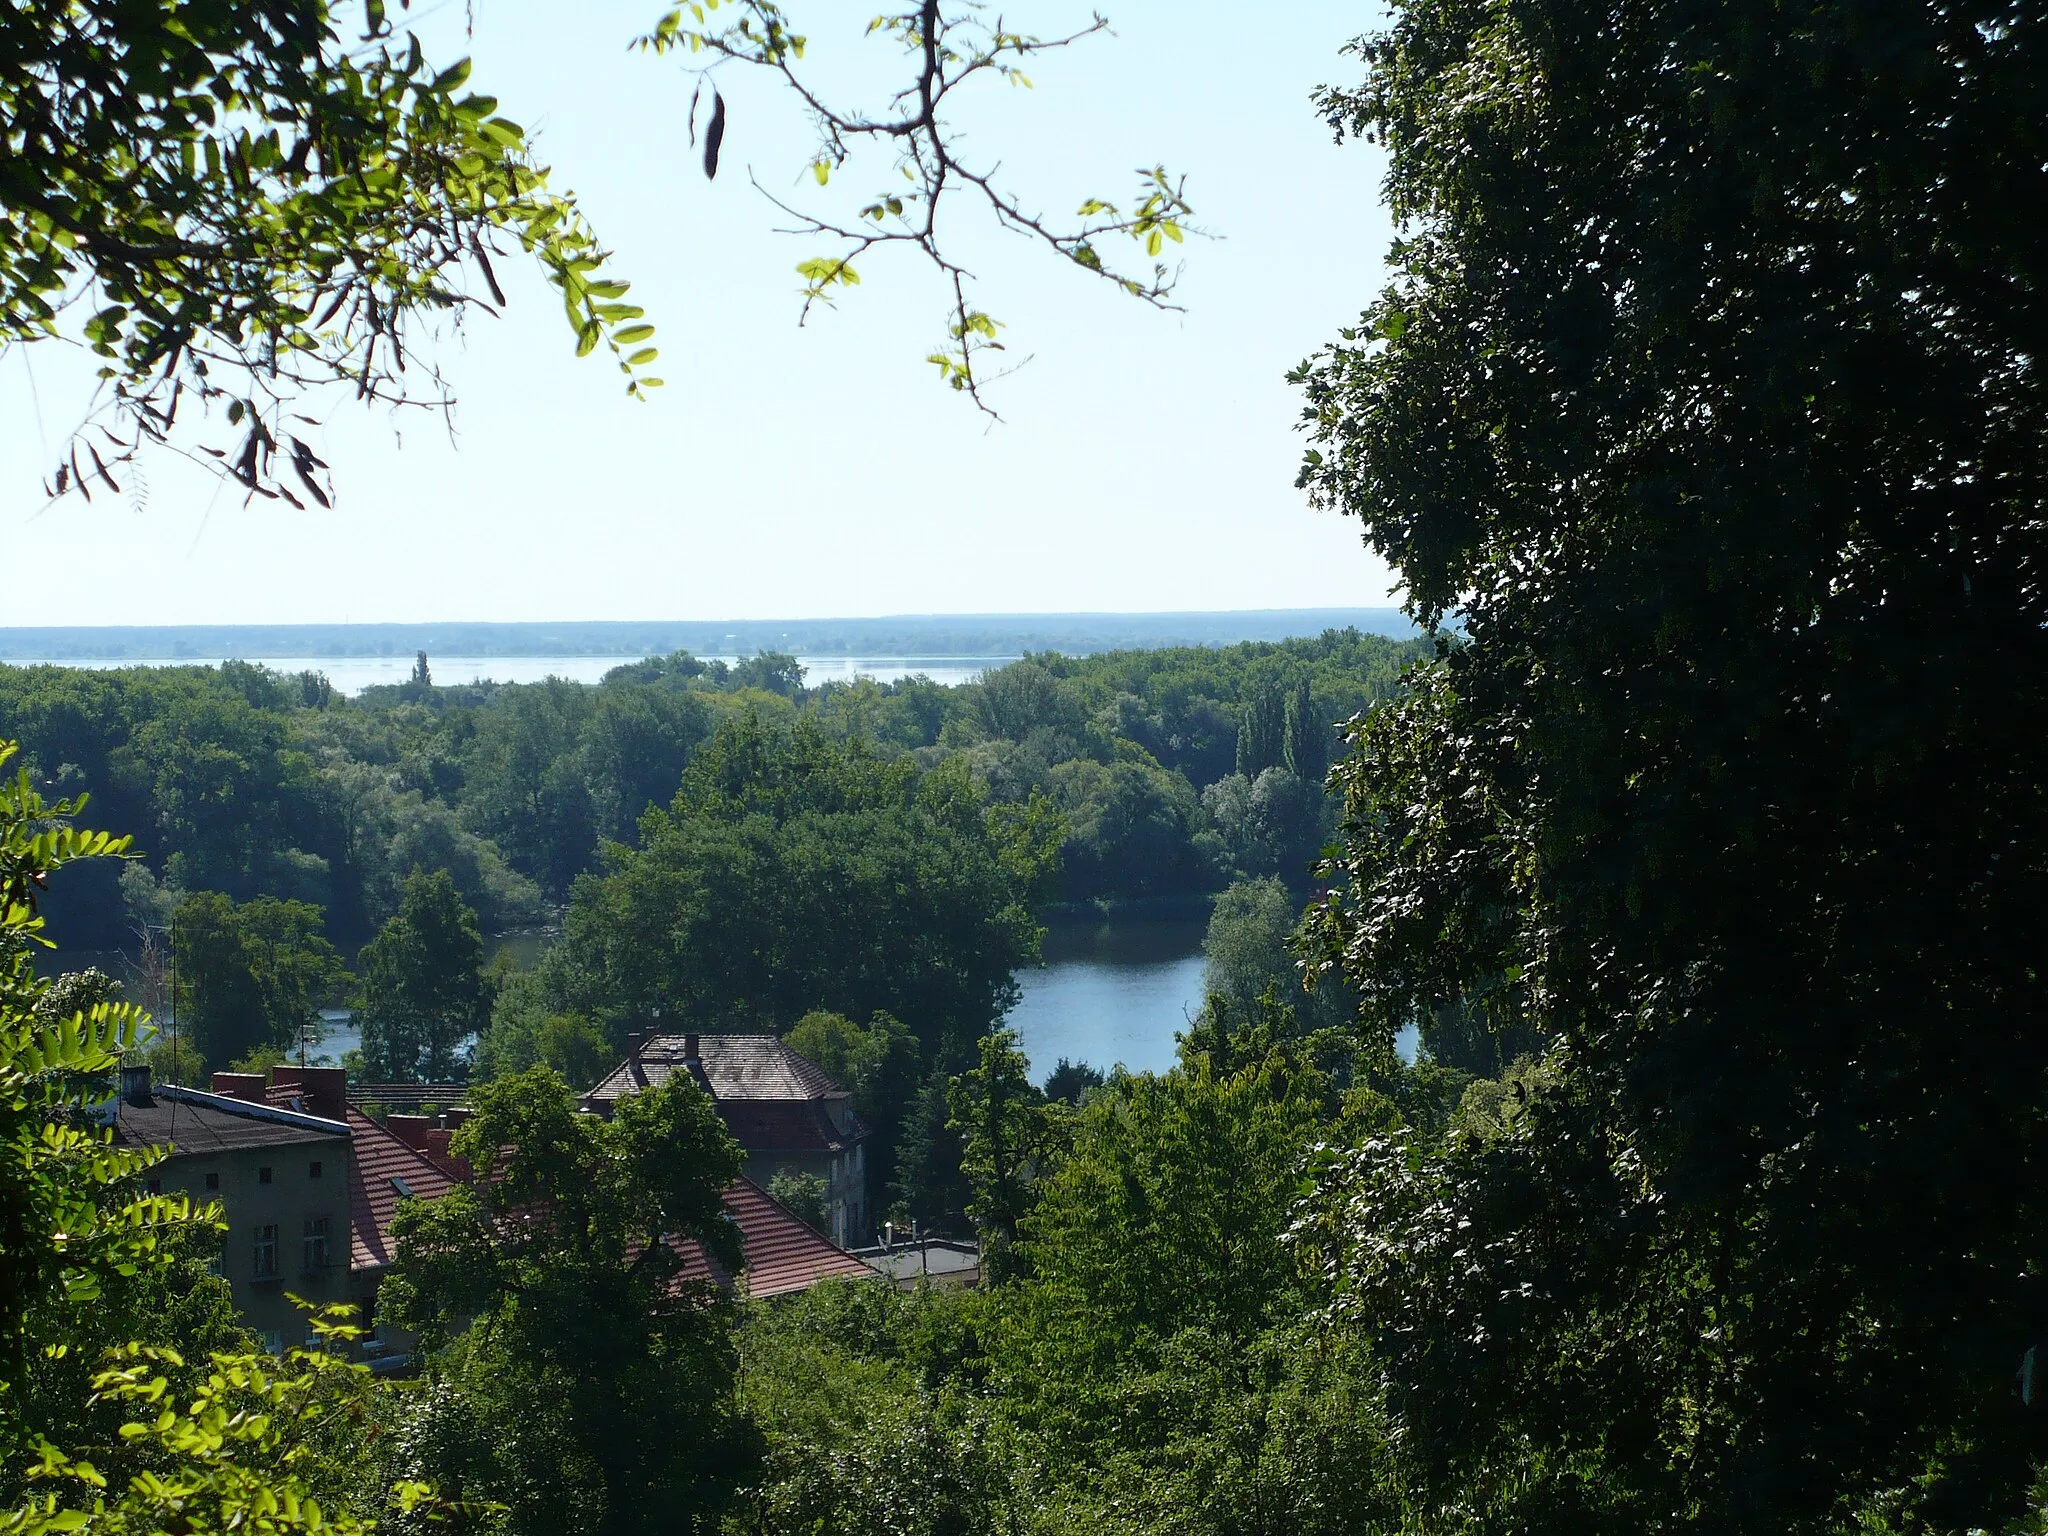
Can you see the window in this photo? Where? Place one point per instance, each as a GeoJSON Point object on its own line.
{"type": "Point", "coordinates": [312, 1170]}
{"type": "Point", "coordinates": [266, 1253]}
{"type": "Point", "coordinates": [273, 1341]}
{"type": "Point", "coordinates": [262, 1175]}
{"type": "Point", "coordinates": [316, 1243]}
{"type": "Point", "coordinates": [213, 1181]}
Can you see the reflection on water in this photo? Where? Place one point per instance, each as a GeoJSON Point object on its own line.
{"type": "Point", "coordinates": [1111, 994]}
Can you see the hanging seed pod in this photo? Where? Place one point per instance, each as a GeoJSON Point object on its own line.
{"type": "Point", "coordinates": [714, 135]}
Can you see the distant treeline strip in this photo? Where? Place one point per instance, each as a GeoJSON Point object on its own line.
{"type": "Point", "coordinates": [989, 634]}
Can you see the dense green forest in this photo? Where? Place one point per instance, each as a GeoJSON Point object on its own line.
{"type": "Point", "coordinates": [1175, 770]}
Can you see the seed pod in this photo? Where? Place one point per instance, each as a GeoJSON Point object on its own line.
{"type": "Point", "coordinates": [714, 135]}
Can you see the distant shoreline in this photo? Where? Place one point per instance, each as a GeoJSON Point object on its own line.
{"type": "Point", "coordinates": [952, 635]}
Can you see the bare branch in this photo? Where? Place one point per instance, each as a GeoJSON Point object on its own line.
{"type": "Point", "coordinates": [947, 47]}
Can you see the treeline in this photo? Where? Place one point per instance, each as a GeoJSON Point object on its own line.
{"type": "Point", "coordinates": [1175, 770]}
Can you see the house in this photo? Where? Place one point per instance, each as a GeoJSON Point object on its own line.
{"type": "Point", "coordinates": [786, 1114]}
{"type": "Point", "coordinates": [783, 1254]}
{"type": "Point", "coordinates": [306, 1185]}
{"type": "Point", "coordinates": [309, 1185]}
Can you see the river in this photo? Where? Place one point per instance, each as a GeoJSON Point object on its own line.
{"type": "Point", "coordinates": [1112, 993]}
{"type": "Point", "coordinates": [352, 674]}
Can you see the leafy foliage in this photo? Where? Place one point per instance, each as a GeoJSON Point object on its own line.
{"type": "Point", "coordinates": [732, 912]}
{"type": "Point", "coordinates": [260, 1445]}
{"type": "Point", "coordinates": [570, 1332]}
{"type": "Point", "coordinates": [879, 1064]}
{"type": "Point", "coordinates": [249, 977]}
{"type": "Point", "coordinates": [1707, 389]}
{"type": "Point", "coordinates": [947, 51]}
{"type": "Point", "coordinates": [253, 201]}
{"type": "Point", "coordinates": [423, 990]}
{"type": "Point", "coordinates": [67, 1194]}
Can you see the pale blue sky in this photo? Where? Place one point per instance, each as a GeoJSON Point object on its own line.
{"type": "Point", "coordinates": [1146, 461]}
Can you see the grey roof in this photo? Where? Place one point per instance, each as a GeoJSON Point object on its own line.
{"type": "Point", "coordinates": [936, 1257]}
{"type": "Point", "coordinates": [193, 1124]}
{"type": "Point", "coordinates": [731, 1066]}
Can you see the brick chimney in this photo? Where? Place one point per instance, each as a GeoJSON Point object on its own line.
{"type": "Point", "coordinates": [246, 1086]}
{"type": "Point", "coordinates": [635, 1043]}
{"type": "Point", "coordinates": [410, 1129]}
{"type": "Point", "coordinates": [322, 1090]}
{"type": "Point", "coordinates": [456, 1118]}
{"type": "Point", "coordinates": [690, 1046]}
{"type": "Point", "coordinates": [135, 1086]}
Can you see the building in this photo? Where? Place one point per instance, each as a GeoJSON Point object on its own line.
{"type": "Point", "coordinates": [307, 1185]}
{"type": "Point", "coordinates": [783, 1254]}
{"type": "Point", "coordinates": [786, 1114]}
{"type": "Point", "coordinates": [938, 1261]}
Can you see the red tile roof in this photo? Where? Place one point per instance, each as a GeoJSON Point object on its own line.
{"type": "Point", "coordinates": [386, 1171]}
{"type": "Point", "coordinates": [783, 1254]}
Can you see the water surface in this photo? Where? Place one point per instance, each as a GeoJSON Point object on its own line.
{"type": "Point", "coordinates": [352, 674]}
{"type": "Point", "coordinates": [1111, 994]}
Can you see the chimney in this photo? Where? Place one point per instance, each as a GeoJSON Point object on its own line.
{"type": "Point", "coordinates": [690, 1046]}
{"type": "Point", "coordinates": [410, 1129]}
{"type": "Point", "coordinates": [246, 1086]}
{"type": "Point", "coordinates": [323, 1091]}
{"type": "Point", "coordinates": [135, 1086]}
{"type": "Point", "coordinates": [634, 1042]}
{"type": "Point", "coordinates": [456, 1117]}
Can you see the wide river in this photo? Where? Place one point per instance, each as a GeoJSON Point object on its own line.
{"type": "Point", "coordinates": [352, 674]}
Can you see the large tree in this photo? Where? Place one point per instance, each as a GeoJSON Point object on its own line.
{"type": "Point", "coordinates": [423, 989]}
{"type": "Point", "coordinates": [581, 1373]}
{"type": "Point", "coordinates": [247, 977]}
{"type": "Point", "coordinates": [794, 873]}
{"type": "Point", "coordinates": [1707, 390]}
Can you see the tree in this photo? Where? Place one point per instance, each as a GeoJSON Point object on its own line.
{"type": "Point", "coordinates": [878, 1063]}
{"type": "Point", "coordinates": [1167, 1214]}
{"type": "Point", "coordinates": [567, 1330]}
{"type": "Point", "coordinates": [794, 873]}
{"type": "Point", "coordinates": [772, 672]}
{"type": "Point", "coordinates": [1305, 738]}
{"type": "Point", "coordinates": [929, 1188]}
{"type": "Point", "coordinates": [257, 1444]}
{"type": "Point", "coordinates": [423, 990]}
{"type": "Point", "coordinates": [74, 1218]}
{"type": "Point", "coordinates": [1261, 729]}
{"type": "Point", "coordinates": [947, 53]}
{"type": "Point", "coordinates": [257, 206]}
{"type": "Point", "coordinates": [1248, 955]}
{"type": "Point", "coordinates": [1073, 1081]}
{"type": "Point", "coordinates": [1007, 1130]}
{"type": "Point", "coordinates": [803, 1193]}
{"type": "Point", "coordinates": [248, 976]}
{"type": "Point", "coordinates": [1707, 390]}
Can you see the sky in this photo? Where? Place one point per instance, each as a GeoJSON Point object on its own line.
{"type": "Point", "coordinates": [1145, 461]}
